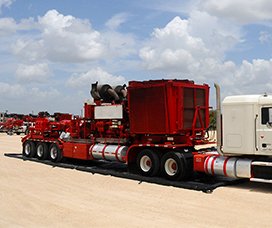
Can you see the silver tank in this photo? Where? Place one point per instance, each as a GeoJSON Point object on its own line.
{"type": "Point", "coordinates": [108, 152]}
{"type": "Point", "coordinates": [228, 166]}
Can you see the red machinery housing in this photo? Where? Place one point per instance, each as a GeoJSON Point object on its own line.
{"type": "Point", "coordinates": [174, 108]}
{"type": "Point", "coordinates": [152, 126]}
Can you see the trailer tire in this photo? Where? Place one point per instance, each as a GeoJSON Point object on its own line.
{"type": "Point", "coordinates": [29, 149]}
{"type": "Point", "coordinates": [42, 151]}
{"type": "Point", "coordinates": [148, 163]}
{"type": "Point", "coordinates": [9, 132]}
{"type": "Point", "coordinates": [173, 166]}
{"type": "Point", "coordinates": [55, 153]}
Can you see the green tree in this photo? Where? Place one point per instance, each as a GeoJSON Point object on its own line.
{"type": "Point", "coordinates": [212, 119]}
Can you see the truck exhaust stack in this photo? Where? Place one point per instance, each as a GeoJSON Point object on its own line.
{"type": "Point", "coordinates": [218, 120]}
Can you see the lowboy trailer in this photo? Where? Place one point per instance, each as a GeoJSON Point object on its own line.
{"type": "Point", "coordinates": [154, 126]}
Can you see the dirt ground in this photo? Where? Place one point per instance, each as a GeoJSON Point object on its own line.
{"type": "Point", "coordinates": [38, 195]}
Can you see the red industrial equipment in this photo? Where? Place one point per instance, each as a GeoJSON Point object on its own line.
{"type": "Point", "coordinates": [145, 125]}
{"type": "Point", "coordinates": [14, 123]}
{"type": "Point", "coordinates": [153, 127]}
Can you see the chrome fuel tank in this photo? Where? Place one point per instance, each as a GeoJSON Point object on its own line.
{"type": "Point", "coordinates": [108, 152]}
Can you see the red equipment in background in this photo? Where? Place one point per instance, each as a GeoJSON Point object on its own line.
{"type": "Point", "coordinates": [22, 124]}
{"type": "Point", "coordinates": [50, 127]}
{"type": "Point", "coordinates": [152, 126]}
{"type": "Point", "coordinates": [16, 123]}
{"type": "Point", "coordinates": [13, 125]}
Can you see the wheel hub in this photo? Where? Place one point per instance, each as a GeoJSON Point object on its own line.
{"type": "Point", "coordinates": [171, 167]}
{"type": "Point", "coordinates": [53, 153]}
{"type": "Point", "coordinates": [27, 149]}
{"type": "Point", "coordinates": [145, 163]}
{"type": "Point", "coordinates": [40, 151]}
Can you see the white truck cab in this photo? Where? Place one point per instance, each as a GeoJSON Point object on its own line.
{"type": "Point", "coordinates": [247, 125]}
{"type": "Point", "coordinates": [244, 138]}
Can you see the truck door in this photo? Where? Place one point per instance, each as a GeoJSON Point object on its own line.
{"type": "Point", "coordinates": [264, 132]}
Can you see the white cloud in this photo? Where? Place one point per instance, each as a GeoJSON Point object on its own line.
{"type": "Point", "coordinates": [55, 37]}
{"type": "Point", "coordinates": [185, 48]}
{"type": "Point", "coordinates": [7, 26]}
{"type": "Point", "coordinates": [37, 94]}
{"type": "Point", "coordinates": [25, 98]}
{"type": "Point", "coordinates": [29, 49]}
{"type": "Point", "coordinates": [60, 39]}
{"type": "Point", "coordinates": [217, 34]}
{"type": "Point", "coordinates": [172, 48]}
{"type": "Point", "coordinates": [249, 77]}
{"type": "Point", "coordinates": [5, 3]}
{"type": "Point", "coordinates": [68, 39]}
{"type": "Point", "coordinates": [28, 24]}
{"type": "Point", "coordinates": [83, 80]}
{"type": "Point", "coordinates": [183, 45]}
{"type": "Point", "coordinates": [117, 20]}
{"type": "Point", "coordinates": [241, 11]}
{"type": "Point", "coordinates": [265, 37]}
{"type": "Point", "coordinates": [33, 73]}
{"type": "Point", "coordinates": [238, 11]}
{"type": "Point", "coordinates": [255, 73]}
{"type": "Point", "coordinates": [11, 90]}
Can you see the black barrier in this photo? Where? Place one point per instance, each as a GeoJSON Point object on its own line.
{"type": "Point", "coordinates": [200, 182]}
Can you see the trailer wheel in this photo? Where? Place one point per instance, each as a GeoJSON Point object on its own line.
{"type": "Point", "coordinates": [173, 166]}
{"type": "Point", "coordinates": [29, 149]}
{"type": "Point", "coordinates": [42, 151]}
{"type": "Point", "coordinates": [55, 153]}
{"type": "Point", "coordinates": [148, 162]}
{"type": "Point", "coordinates": [9, 132]}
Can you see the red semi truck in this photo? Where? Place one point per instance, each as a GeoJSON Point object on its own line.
{"type": "Point", "coordinates": [154, 126]}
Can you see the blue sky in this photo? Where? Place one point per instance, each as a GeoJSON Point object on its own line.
{"type": "Point", "coordinates": [51, 51]}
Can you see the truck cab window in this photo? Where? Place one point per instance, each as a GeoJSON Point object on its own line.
{"type": "Point", "coordinates": [267, 115]}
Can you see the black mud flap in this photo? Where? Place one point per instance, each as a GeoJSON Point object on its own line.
{"type": "Point", "coordinates": [197, 182]}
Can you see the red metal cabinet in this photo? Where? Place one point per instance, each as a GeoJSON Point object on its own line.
{"type": "Point", "coordinates": [76, 150]}
{"type": "Point", "coordinates": [167, 106]}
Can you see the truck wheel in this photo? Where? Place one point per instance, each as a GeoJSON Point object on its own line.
{"type": "Point", "coordinates": [29, 149]}
{"type": "Point", "coordinates": [148, 163]}
{"type": "Point", "coordinates": [173, 166]}
{"type": "Point", "coordinates": [42, 151]}
{"type": "Point", "coordinates": [55, 153]}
